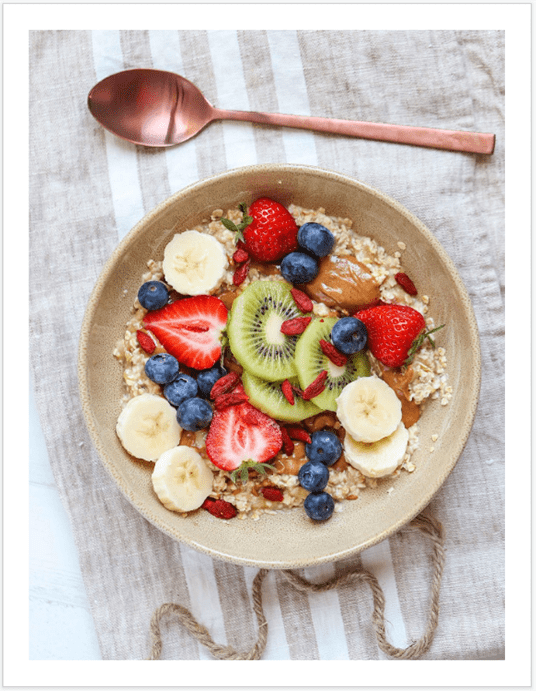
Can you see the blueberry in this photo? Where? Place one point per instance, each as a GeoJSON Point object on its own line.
{"type": "Point", "coordinates": [319, 506]}
{"type": "Point", "coordinates": [313, 476]}
{"type": "Point", "coordinates": [316, 238]}
{"type": "Point", "coordinates": [162, 368]}
{"type": "Point", "coordinates": [349, 335]}
{"type": "Point", "coordinates": [180, 389]}
{"type": "Point", "coordinates": [325, 447]}
{"type": "Point", "coordinates": [153, 295]}
{"type": "Point", "coordinates": [208, 377]}
{"type": "Point", "coordinates": [298, 267]}
{"type": "Point", "coordinates": [194, 414]}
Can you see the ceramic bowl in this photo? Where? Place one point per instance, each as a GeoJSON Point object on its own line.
{"type": "Point", "coordinates": [288, 539]}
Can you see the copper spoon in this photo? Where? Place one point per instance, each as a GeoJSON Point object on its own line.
{"type": "Point", "coordinates": [157, 108]}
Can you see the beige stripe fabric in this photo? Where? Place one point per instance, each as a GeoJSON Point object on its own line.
{"type": "Point", "coordinates": [87, 189]}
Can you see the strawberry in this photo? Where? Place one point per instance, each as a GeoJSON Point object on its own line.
{"type": "Point", "coordinates": [395, 333]}
{"type": "Point", "coordinates": [242, 433]}
{"type": "Point", "coordinates": [269, 232]}
{"type": "Point", "coordinates": [190, 329]}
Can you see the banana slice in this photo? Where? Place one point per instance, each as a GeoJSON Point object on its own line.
{"type": "Point", "coordinates": [181, 479]}
{"type": "Point", "coordinates": [379, 458]}
{"type": "Point", "coordinates": [147, 426]}
{"type": "Point", "coordinates": [369, 409]}
{"type": "Point", "coordinates": [194, 263]}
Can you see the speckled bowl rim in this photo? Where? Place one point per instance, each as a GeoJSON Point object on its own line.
{"type": "Point", "coordinates": [132, 237]}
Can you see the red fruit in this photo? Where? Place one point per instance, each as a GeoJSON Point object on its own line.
{"type": "Point", "coordinates": [288, 444]}
{"type": "Point", "coordinates": [286, 388]}
{"type": "Point", "coordinates": [392, 331]}
{"type": "Point", "coordinates": [241, 273]}
{"type": "Point", "coordinates": [315, 387]}
{"type": "Point", "coordinates": [272, 493]}
{"type": "Point", "coordinates": [299, 434]}
{"type": "Point", "coordinates": [329, 350]}
{"type": "Point", "coordinates": [405, 281]}
{"type": "Point", "coordinates": [224, 400]}
{"type": "Point", "coordinates": [242, 433]}
{"type": "Point", "coordinates": [240, 256]}
{"type": "Point", "coordinates": [224, 384]}
{"type": "Point", "coordinates": [293, 327]}
{"type": "Point", "coordinates": [219, 508]}
{"type": "Point", "coordinates": [146, 342]}
{"type": "Point", "coordinates": [190, 329]}
{"type": "Point", "coordinates": [273, 232]}
{"type": "Point", "coordinates": [303, 301]}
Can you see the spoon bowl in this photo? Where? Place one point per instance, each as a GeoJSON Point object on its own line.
{"type": "Point", "coordinates": [158, 108]}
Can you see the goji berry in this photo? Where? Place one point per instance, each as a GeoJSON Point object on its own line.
{"type": "Point", "coordinates": [405, 281]}
{"type": "Point", "coordinates": [225, 400]}
{"type": "Point", "coordinates": [241, 273]}
{"type": "Point", "coordinates": [146, 342]}
{"type": "Point", "coordinates": [293, 327]}
{"type": "Point", "coordinates": [240, 256]}
{"type": "Point", "coordinates": [303, 301]}
{"type": "Point", "coordinates": [219, 508]}
{"type": "Point", "coordinates": [272, 493]}
{"type": "Point", "coordinates": [288, 444]}
{"type": "Point", "coordinates": [329, 350]}
{"type": "Point", "coordinates": [299, 434]}
{"type": "Point", "coordinates": [315, 387]}
{"type": "Point", "coordinates": [224, 384]}
{"type": "Point", "coordinates": [286, 388]}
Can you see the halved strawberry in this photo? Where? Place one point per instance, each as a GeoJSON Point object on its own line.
{"type": "Point", "coordinates": [190, 329]}
{"type": "Point", "coordinates": [242, 433]}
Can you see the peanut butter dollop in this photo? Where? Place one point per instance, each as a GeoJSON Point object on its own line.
{"type": "Point", "coordinates": [399, 381]}
{"type": "Point", "coordinates": [343, 282]}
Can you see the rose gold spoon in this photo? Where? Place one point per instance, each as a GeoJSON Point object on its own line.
{"type": "Point", "coordinates": [157, 108]}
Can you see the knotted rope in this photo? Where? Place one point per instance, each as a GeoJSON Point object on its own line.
{"type": "Point", "coordinates": [425, 522]}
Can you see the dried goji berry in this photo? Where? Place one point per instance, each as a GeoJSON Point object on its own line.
{"type": "Point", "coordinates": [329, 350]}
{"type": "Point", "coordinates": [241, 273]}
{"type": "Point", "coordinates": [286, 388]}
{"type": "Point", "coordinates": [303, 301]}
{"type": "Point", "coordinates": [288, 444]}
{"type": "Point", "coordinates": [224, 384]}
{"type": "Point", "coordinates": [405, 281]}
{"type": "Point", "coordinates": [146, 342]}
{"type": "Point", "coordinates": [299, 434]}
{"type": "Point", "coordinates": [315, 387]}
{"type": "Point", "coordinates": [272, 493]}
{"type": "Point", "coordinates": [240, 256]}
{"type": "Point", "coordinates": [219, 508]}
{"type": "Point", "coordinates": [293, 327]}
{"type": "Point", "coordinates": [224, 400]}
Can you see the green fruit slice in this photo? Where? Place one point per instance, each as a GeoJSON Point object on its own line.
{"type": "Point", "coordinates": [254, 330]}
{"type": "Point", "coordinates": [310, 361]}
{"type": "Point", "coordinates": [268, 397]}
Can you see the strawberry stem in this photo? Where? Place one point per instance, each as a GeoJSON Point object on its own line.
{"type": "Point", "coordinates": [238, 229]}
{"type": "Point", "coordinates": [245, 466]}
{"type": "Point", "coordinates": [417, 343]}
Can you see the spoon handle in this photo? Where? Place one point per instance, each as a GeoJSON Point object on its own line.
{"type": "Point", "coordinates": [451, 140]}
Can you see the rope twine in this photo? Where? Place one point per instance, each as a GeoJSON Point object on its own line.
{"type": "Point", "coordinates": [424, 522]}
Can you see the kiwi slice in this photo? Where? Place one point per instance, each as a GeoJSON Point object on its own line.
{"type": "Point", "coordinates": [310, 361]}
{"type": "Point", "coordinates": [268, 397]}
{"type": "Point", "coordinates": [254, 330]}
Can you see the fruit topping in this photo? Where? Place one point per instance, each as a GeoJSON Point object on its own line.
{"type": "Point", "coordinates": [395, 333]}
{"type": "Point", "coordinates": [316, 387]}
{"type": "Point", "coordinates": [207, 378]}
{"type": "Point", "coordinates": [316, 238]}
{"type": "Point", "coordinates": [299, 434]}
{"type": "Point", "coordinates": [313, 477]}
{"type": "Point", "coordinates": [286, 389]}
{"type": "Point", "coordinates": [194, 414]}
{"type": "Point", "coordinates": [240, 256]}
{"type": "Point", "coordinates": [224, 400]}
{"type": "Point", "coordinates": [180, 389]}
{"type": "Point", "coordinates": [146, 342]}
{"type": "Point", "coordinates": [406, 283]}
{"type": "Point", "coordinates": [311, 361]}
{"type": "Point", "coordinates": [190, 329]}
{"type": "Point", "coordinates": [272, 493]}
{"type": "Point", "coordinates": [219, 508]}
{"type": "Point", "coordinates": [319, 506]}
{"type": "Point", "coordinates": [241, 273]}
{"type": "Point", "coordinates": [153, 295]}
{"type": "Point", "coordinates": [254, 330]}
{"type": "Point", "coordinates": [224, 384]}
{"type": "Point", "coordinates": [369, 409]}
{"type": "Point", "coordinates": [334, 355]}
{"type": "Point", "coordinates": [298, 267]}
{"type": "Point", "coordinates": [181, 479]}
{"type": "Point", "coordinates": [242, 433]}
{"type": "Point", "coordinates": [324, 447]}
{"type": "Point", "coordinates": [194, 263]}
{"type": "Point", "coordinates": [147, 426]}
{"type": "Point", "coordinates": [349, 335]}
{"type": "Point", "coordinates": [269, 232]}
{"type": "Point", "coordinates": [270, 398]}
{"type": "Point", "coordinates": [303, 301]}
{"type": "Point", "coordinates": [296, 326]}
{"type": "Point", "coordinates": [377, 458]}
{"type": "Point", "coordinates": [288, 444]}
{"type": "Point", "coordinates": [162, 368]}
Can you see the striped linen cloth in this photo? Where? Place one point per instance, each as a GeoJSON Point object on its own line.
{"type": "Point", "coordinates": [88, 189]}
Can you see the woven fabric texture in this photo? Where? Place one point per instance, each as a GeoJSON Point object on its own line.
{"type": "Point", "coordinates": [87, 190]}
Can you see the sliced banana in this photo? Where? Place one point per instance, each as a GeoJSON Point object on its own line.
{"type": "Point", "coordinates": [369, 409]}
{"type": "Point", "coordinates": [181, 479]}
{"type": "Point", "coordinates": [147, 426]}
{"type": "Point", "coordinates": [380, 457]}
{"type": "Point", "coordinates": [194, 263]}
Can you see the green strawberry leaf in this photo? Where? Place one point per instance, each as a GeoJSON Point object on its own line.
{"type": "Point", "coordinates": [417, 343]}
{"type": "Point", "coordinates": [244, 467]}
{"type": "Point", "coordinates": [244, 223]}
